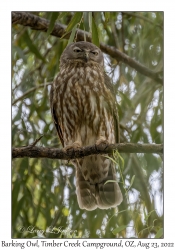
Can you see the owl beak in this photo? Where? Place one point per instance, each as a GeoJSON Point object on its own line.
{"type": "Point", "coordinates": [86, 56]}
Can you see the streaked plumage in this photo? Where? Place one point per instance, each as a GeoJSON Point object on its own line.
{"type": "Point", "coordinates": [84, 112]}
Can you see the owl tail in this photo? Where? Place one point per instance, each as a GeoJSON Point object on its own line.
{"type": "Point", "coordinates": [99, 195]}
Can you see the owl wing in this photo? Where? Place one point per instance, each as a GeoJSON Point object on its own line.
{"type": "Point", "coordinates": [54, 116]}
{"type": "Point", "coordinates": [110, 86]}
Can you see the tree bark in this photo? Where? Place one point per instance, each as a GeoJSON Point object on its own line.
{"type": "Point", "coordinates": [33, 151]}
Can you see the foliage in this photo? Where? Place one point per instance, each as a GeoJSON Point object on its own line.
{"type": "Point", "coordinates": [44, 189]}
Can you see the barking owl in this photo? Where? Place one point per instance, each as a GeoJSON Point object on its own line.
{"type": "Point", "coordinates": [84, 112]}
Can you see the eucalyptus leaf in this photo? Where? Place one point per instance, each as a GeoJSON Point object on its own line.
{"type": "Point", "coordinates": [32, 46]}
{"type": "Point", "coordinates": [71, 39]}
{"type": "Point", "coordinates": [118, 229]}
{"type": "Point", "coordinates": [76, 19]}
{"type": "Point", "coordinates": [159, 234]}
{"type": "Point", "coordinates": [132, 180]}
{"type": "Point", "coordinates": [95, 38]}
{"type": "Point", "coordinates": [109, 181]}
{"type": "Point", "coordinates": [90, 21]}
{"type": "Point", "coordinates": [53, 19]}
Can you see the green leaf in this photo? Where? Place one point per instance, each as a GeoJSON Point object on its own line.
{"type": "Point", "coordinates": [17, 207]}
{"type": "Point", "coordinates": [132, 180]}
{"type": "Point", "coordinates": [71, 39]}
{"type": "Point", "coordinates": [95, 38]}
{"type": "Point", "coordinates": [75, 20]}
{"type": "Point", "coordinates": [86, 20]}
{"type": "Point", "coordinates": [62, 15]}
{"type": "Point", "coordinates": [31, 46]}
{"type": "Point", "coordinates": [84, 35]}
{"type": "Point", "coordinates": [109, 181]}
{"type": "Point", "coordinates": [20, 53]}
{"type": "Point", "coordinates": [118, 158]}
{"type": "Point", "coordinates": [15, 193]}
{"type": "Point", "coordinates": [18, 115]}
{"type": "Point", "coordinates": [148, 215]}
{"type": "Point", "coordinates": [107, 16]}
{"type": "Point", "coordinates": [159, 233]}
{"type": "Point", "coordinates": [90, 21]}
{"type": "Point", "coordinates": [115, 162]}
{"type": "Point", "coordinates": [118, 229]}
{"type": "Point", "coordinates": [65, 211]}
{"type": "Point", "coordinates": [126, 100]}
{"type": "Point", "coordinates": [53, 19]}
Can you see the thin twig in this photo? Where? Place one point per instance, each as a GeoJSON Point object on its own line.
{"type": "Point", "coordinates": [30, 91]}
{"type": "Point", "coordinates": [141, 17]}
{"type": "Point", "coordinates": [35, 142]}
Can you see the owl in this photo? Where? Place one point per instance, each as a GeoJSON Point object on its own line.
{"type": "Point", "coordinates": [84, 113]}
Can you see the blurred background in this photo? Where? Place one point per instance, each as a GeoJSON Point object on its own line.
{"type": "Point", "coordinates": [43, 190]}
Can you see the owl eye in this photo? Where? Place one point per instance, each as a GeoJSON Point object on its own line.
{"type": "Point", "coordinates": [77, 50]}
{"type": "Point", "coordinates": [94, 53]}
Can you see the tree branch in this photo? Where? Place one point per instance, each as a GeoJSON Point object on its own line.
{"type": "Point", "coordinates": [54, 153]}
{"type": "Point", "coordinates": [38, 23]}
{"type": "Point", "coordinates": [141, 17]}
{"type": "Point", "coordinates": [30, 91]}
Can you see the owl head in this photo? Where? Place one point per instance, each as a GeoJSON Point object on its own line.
{"type": "Point", "coordinates": [83, 52]}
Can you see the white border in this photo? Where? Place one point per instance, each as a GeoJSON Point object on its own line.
{"type": "Point", "coordinates": [5, 93]}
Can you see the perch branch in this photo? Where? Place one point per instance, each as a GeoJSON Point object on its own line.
{"type": "Point", "coordinates": [42, 24]}
{"type": "Point", "coordinates": [55, 153]}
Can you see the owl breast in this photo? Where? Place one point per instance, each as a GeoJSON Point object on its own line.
{"type": "Point", "coordinates": [83, 104]}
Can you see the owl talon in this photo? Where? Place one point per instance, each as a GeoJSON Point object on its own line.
{"type": "Point", "coordinates": [75, 145]}
{"type": "Point", "coordinates": [101, 140]}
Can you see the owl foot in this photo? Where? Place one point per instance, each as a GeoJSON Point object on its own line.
{"type": "Point", "coordinates": [75, 145]}
{"type": "Point", "coordinates": [69, 149]}
{"type": "Point", "coordinates": [102, 141]}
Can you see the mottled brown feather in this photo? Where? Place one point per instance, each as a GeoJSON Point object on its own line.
{"type": "Point", "coordinates": [54, 117]}
{"type": "Point", "coordinates": [84, 111]}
